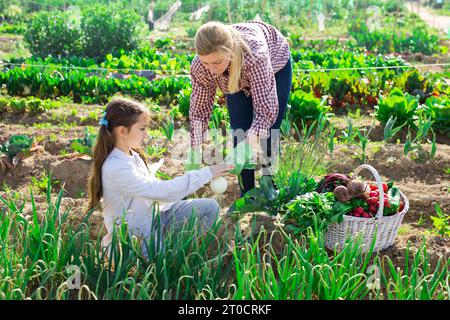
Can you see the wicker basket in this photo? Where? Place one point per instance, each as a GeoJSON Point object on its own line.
{"type": "Point", "coordinates": [384, 228]}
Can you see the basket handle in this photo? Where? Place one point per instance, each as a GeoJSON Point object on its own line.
{"type": "Point", "coordinates": [405, 201]}
{"type": "Point", "coordinates": [379, 185]}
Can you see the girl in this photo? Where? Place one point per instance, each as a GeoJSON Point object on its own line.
{"type": "Point", "coordinates": [120, 175]}
{"type": "Point", "coordinates": [251, 64]}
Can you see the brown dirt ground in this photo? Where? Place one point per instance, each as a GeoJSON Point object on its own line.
{"type": "Point", "coordinates": [424, 183]}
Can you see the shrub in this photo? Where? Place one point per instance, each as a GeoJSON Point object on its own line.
{"type": "Point", "coordinates": [53, 33]}
{"type": "Point", "coordinates": [101, 30]}
{"type": "Point", "coordinates": [108, 29]}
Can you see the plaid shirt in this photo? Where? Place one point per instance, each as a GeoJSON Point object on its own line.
{"type": "Point", "coordinates": [270, 52]}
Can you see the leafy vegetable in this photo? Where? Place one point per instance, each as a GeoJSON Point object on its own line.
{"type": "Point", "coordinates": [398, 104]}
{"type": "Point", "coordinates": [439, 110]}
{"type": "Point", "coordinates": [393, 201]}
{"type": "Point", "coordinates": [313, 209]}
{"type": "Point", "coordinates": [268, 199]}
{"type": "Point", "coordinates": [15, 145]}
{"type": "Point", "coordinates": [84, 145]}
{"type": "Point", "coordinates": [305, 106]}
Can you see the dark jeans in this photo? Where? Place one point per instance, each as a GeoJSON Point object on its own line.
{"type": "Point", "coordinates": [240, 108]}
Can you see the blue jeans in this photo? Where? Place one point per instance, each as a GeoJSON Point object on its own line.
{"type": "Point", "coordinates": [240, 108]}
{"type": "Point", "coordinates": [206, 210]}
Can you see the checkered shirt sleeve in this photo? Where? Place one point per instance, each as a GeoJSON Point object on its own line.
{"type": "Point", "coordinates": [201, 104]}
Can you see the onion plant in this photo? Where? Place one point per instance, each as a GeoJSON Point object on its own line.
{"type": "Point", "coordinates": [39, 250]}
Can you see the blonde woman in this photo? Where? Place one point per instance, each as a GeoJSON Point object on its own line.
{"type": "Point", "coordinates": [251, 64]}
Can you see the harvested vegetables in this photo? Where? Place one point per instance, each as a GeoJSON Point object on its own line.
{"type": "Point", "coordinates": [361, 199]}
{"type": "Point", "coordinates": [312, 209]}
{"type": "Point", "coordinates": [219, 185]}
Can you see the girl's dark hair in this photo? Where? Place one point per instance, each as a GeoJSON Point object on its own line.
{"type": "Point", "coordinates": [119, 112]}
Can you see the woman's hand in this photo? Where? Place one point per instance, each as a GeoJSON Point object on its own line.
{"type": "Point", "coordinates": [221, 169]}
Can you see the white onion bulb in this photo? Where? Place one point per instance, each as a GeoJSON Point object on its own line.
{"type": "Point", "coordinates": [219, 185]}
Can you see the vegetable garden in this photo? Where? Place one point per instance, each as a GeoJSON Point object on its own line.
{"type": "Point", "coordinates": [359, 96]}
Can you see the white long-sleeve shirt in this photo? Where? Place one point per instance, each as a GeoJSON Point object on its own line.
{"type": "Point", "coordinates": [130, 188]}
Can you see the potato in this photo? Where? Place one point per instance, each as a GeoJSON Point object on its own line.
{"type": "Point", "coordinates": [342, 194]}
{"type": "Point", "coordinates": [356, 188]}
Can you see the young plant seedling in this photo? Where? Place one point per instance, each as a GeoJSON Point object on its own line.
{"type": "Point", "coordinates": [359, 138]}
{"type": "Point", "coordinates": [441, 222]}
{"type": "Point", "coordinates": [84, 145]}
{"type": "Point", "coordinates": [424, 126]}
{"type": "Point", "coordinates": [168, 128]}
{"type": "Point", "coordinates": [17, 144]}
{"type": "Point", "coordinates": [389, 129]}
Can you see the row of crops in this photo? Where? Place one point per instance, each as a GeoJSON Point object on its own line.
{"type": "Point", "coordinates": [41, 255]}
{"type": "Point", "coordinates": [385, 85]}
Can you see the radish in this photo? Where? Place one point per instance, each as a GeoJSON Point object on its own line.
{"type": "Point", "coordinates": [219, 185]}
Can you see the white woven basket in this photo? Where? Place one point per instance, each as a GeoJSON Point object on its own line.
{"type": "Point", "coordinates": [384, 228]}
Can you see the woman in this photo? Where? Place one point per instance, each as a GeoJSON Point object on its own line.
{"type": "Point", "coordinates": [251, 63]}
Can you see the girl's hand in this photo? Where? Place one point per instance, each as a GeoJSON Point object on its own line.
{"type": "Point", "coordinates": [221, 169]}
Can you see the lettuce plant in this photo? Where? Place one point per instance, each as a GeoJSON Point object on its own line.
{"type": "Point", "coordinates": [439, 110]}
{"type": "Point", "coordinates": [305, 106]}
{"type": "Point", "coordinates": [399, 105]}
{"type": "Point", "coordinates": [15, 145]}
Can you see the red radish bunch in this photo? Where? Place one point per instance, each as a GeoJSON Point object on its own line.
{"type": "Point", "coordinates": [373, 199]}
{"type": "Point", "coordinates": [373, 187]}
{"type": "Point", "coordinates": [359, 212]}
{"type": "Point", "coordinates": [402, 205]}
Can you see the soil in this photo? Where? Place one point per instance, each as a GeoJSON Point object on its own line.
{"type": "Point", "coordinates": [424, 182]}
